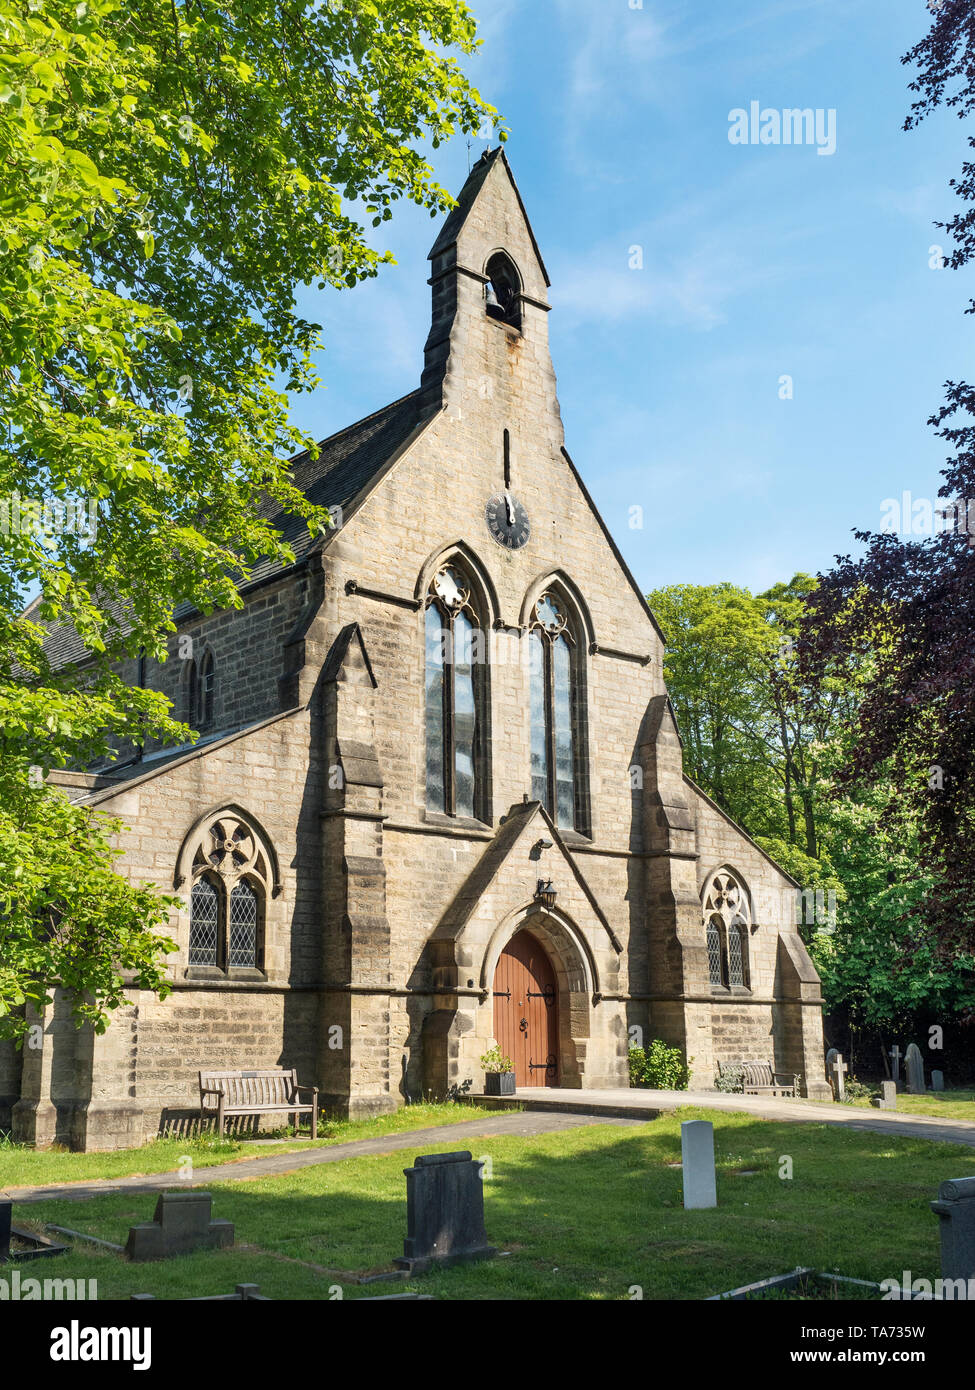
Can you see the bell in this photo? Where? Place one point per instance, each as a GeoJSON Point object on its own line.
{"type": "Point", "coordinates": [490, 297]}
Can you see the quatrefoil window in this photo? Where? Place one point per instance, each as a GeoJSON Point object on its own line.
{"type": "Point", "coordinates": [726, 918]}
{"type": "Point", "coordinates": [231, 882]}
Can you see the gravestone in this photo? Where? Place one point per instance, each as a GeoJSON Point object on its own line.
{"type": "Point", "coordinates": [836, 1072]}
{"type": "Point", "coordinates": [444, 1213]}
{"type": "Point", "coordinates": [6, 1209]}
{"type": "Point", "coordinates": [182, 1223]}
{"type": "Point", "coordinates": [937, 1081]}
{"type": "Point", "coordinates": [887, 1099]}
{"type": "Point", "coordinates": [955, 1210]}
{"type": "Point", "coordinates": [914, 1066]}
{"type": "Point", "coordinates": [697, 1153]}
{"type": "Point", "coordinates": [895, 1064]}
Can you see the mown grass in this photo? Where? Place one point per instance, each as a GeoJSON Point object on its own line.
{"type": "Point", "coordinates": [942, 1105]}
{"type": "Point", "coordinates": [21, 1166]}
{"type": "Point", "coordinates": [587, 1213]}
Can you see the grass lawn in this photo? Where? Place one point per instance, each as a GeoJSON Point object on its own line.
{"type": "Point", "coordinates": [586, 1213]}
{"type": "Point", "coordinates": [21, 1166]}
{"type": "Point", "coordinates": [942, 1105]}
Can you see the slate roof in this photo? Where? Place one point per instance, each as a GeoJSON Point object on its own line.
{"type": "Point", "coordinates": [348, 463]}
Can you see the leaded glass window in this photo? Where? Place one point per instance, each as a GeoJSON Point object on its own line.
{"type": "Point", "coordinates": [243, 925]}
{"type": "Point", "coordinates": [736, 958]}
{"type": "Point", "coordinates": [555, 714]}
{"type": "Point", "coordinates": [727, 915]}
{"type": "Point", "coordinates": [454, 697]}
{"type": "Point", "coordinates": [714, 952]}
{"type": "Point", "coordinates": [204, 923]}
{"type": "Point", "coordinates": [232, 879]}
{"type": "Point", "coordinates": [207, 685]}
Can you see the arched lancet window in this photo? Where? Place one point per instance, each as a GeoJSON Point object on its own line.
{"type": "Point", "coordinates": [556, 714]}
{"type": "Point", "coordinates": [502, 293]}
{"type": "Point", "coordinates": [455, 696]}
{"type": "Point", "coordinates": [204, 706]}
{"type": "Point", "coordinates": [205, 925]}
{"type": "Point", "coordinates": [191, 692]}
{"type": "Point", "coordinates": [231, 876]}
{"type": "Point", "coordinates": [727, 916]}
{"type": "Point", "coordinates": [714, 952]}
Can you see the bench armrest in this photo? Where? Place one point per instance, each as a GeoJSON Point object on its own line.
{"type": "Point", "coordinates": [313, 1089]}
{"type": "Point", "coordinates": [211, 1091]}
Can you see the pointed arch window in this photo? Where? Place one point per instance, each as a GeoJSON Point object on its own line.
{"type": "Point", "coordinates": [502, 293]}
{"type": "Point", "coordinates": [206, 690]}
{"type": "Point", "coordinates": [727, 918]}
{"type": "Point", "coordinates": [455, 697]}
{"type": "Point", "coordinates": [557, 718]}
{"type": "Point", "coordinates": [231, 877]}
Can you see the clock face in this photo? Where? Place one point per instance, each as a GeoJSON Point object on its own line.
{"type": "Point", "coordinates": [508, 521]}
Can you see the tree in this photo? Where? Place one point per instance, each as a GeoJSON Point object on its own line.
{"type": "Point", "coordinates": [912, 603]}
{"type": "Point", "coordinates": [170, 173]}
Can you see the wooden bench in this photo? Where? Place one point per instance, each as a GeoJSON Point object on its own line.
{"type": "Point", "coordinates": [760, 1079]}
{"type": "Point", "coordinates": [271, 1092]}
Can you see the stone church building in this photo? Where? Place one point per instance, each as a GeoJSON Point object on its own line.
{"type": "Point", "coordinates": [438, 797]}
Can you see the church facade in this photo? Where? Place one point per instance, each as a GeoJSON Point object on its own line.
{"type": "Point", "coordinates": [438, 799]}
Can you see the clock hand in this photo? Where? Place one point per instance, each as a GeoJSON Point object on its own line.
{"type": "Point", "coordinates": [510, 506]}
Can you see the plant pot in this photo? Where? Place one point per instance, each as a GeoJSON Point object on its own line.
{"type": "Point", "coordinates": [499, 1083]}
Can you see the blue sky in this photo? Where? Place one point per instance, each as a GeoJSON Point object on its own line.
{"type": "Point", "coordinates": [758, 261]}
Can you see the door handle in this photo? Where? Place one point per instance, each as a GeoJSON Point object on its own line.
{"type": "Point", "coordinates": [523, 1025]}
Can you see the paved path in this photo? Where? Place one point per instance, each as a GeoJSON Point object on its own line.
{"type": "Point", "coordinates": [274, 1165]}
{"type": "Point", "coordinates": [610, 1104]}
{"type": "Point", "coordinates": [547, 1110]}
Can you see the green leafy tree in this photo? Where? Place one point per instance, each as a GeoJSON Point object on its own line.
{"type": "Point", "coordinates": [168, 175]}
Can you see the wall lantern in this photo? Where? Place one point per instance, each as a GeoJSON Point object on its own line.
{"type": "Point", "coordinates": [545, 893]}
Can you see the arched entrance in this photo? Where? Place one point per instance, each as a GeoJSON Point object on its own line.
{"type": "Point", "coordinates": [526, 1006]}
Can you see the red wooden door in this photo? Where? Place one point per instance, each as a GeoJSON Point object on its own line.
{"type": "Point", "coordinates": [526, 1021]}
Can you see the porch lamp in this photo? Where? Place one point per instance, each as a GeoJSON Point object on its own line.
{"type": "Point", "coordinates": [545, 893]}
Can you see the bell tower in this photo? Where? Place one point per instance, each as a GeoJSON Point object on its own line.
{"type": "Point", "coordinates": [489, 332]}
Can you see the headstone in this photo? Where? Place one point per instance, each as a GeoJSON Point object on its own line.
{"type": "Point", "coordinates": [444, 1213]}
{"type": "Point", "coordinates": [888, 1096]}
{"type": "Point", "coordinates": [182, 1223]}
{"type": "Point", "coordinates": [697, 1152]}
{"type": "Point", "coordinates": [6, 1209]}
{"type": "Point", "coordinates": [836, 1074]}
{"type": "Point", "coordinates": [895, 1064]}
{"type": "Point", "coordinates": [937, 1081]}
{"type": "Point", "coordinates": [914, 1066]}
{"type": "Point", "coordinates": [955, 1209]}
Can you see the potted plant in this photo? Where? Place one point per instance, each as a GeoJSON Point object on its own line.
{"type": "Point", "coordinates": [499, 1073]}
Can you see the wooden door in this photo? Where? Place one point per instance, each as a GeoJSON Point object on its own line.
{"type": "Point", "coordinates": [526, 1021]}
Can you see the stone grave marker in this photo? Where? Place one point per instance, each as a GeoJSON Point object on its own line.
{"type": "Point", "coordinates": [444, 1213]}
{"type": "Point", "coordinates": [937, 1081]}
{"type": "Point", "coordinates": [895, 1064]}
{"type": "Point", "coordinates": [887, 1099]}
{"type": "Point", "coordinates": [182, 1223]}
{"type": "Point", "coordinates": [914, 1066]}
{"type": "Point", "coordinates": [955, 1210]}
{"type": "Point", "coordinates": [838, 1068]}
{"type": "Point", "coordinates": [697, 1152]}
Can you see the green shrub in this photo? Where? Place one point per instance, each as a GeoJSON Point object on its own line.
{"type": "Point", "coordinates": [659, 1067]}
{"type": "Point", "coordinates": [730, 1079]}
{"type": "Point", "coordinates": [859, 1090]}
